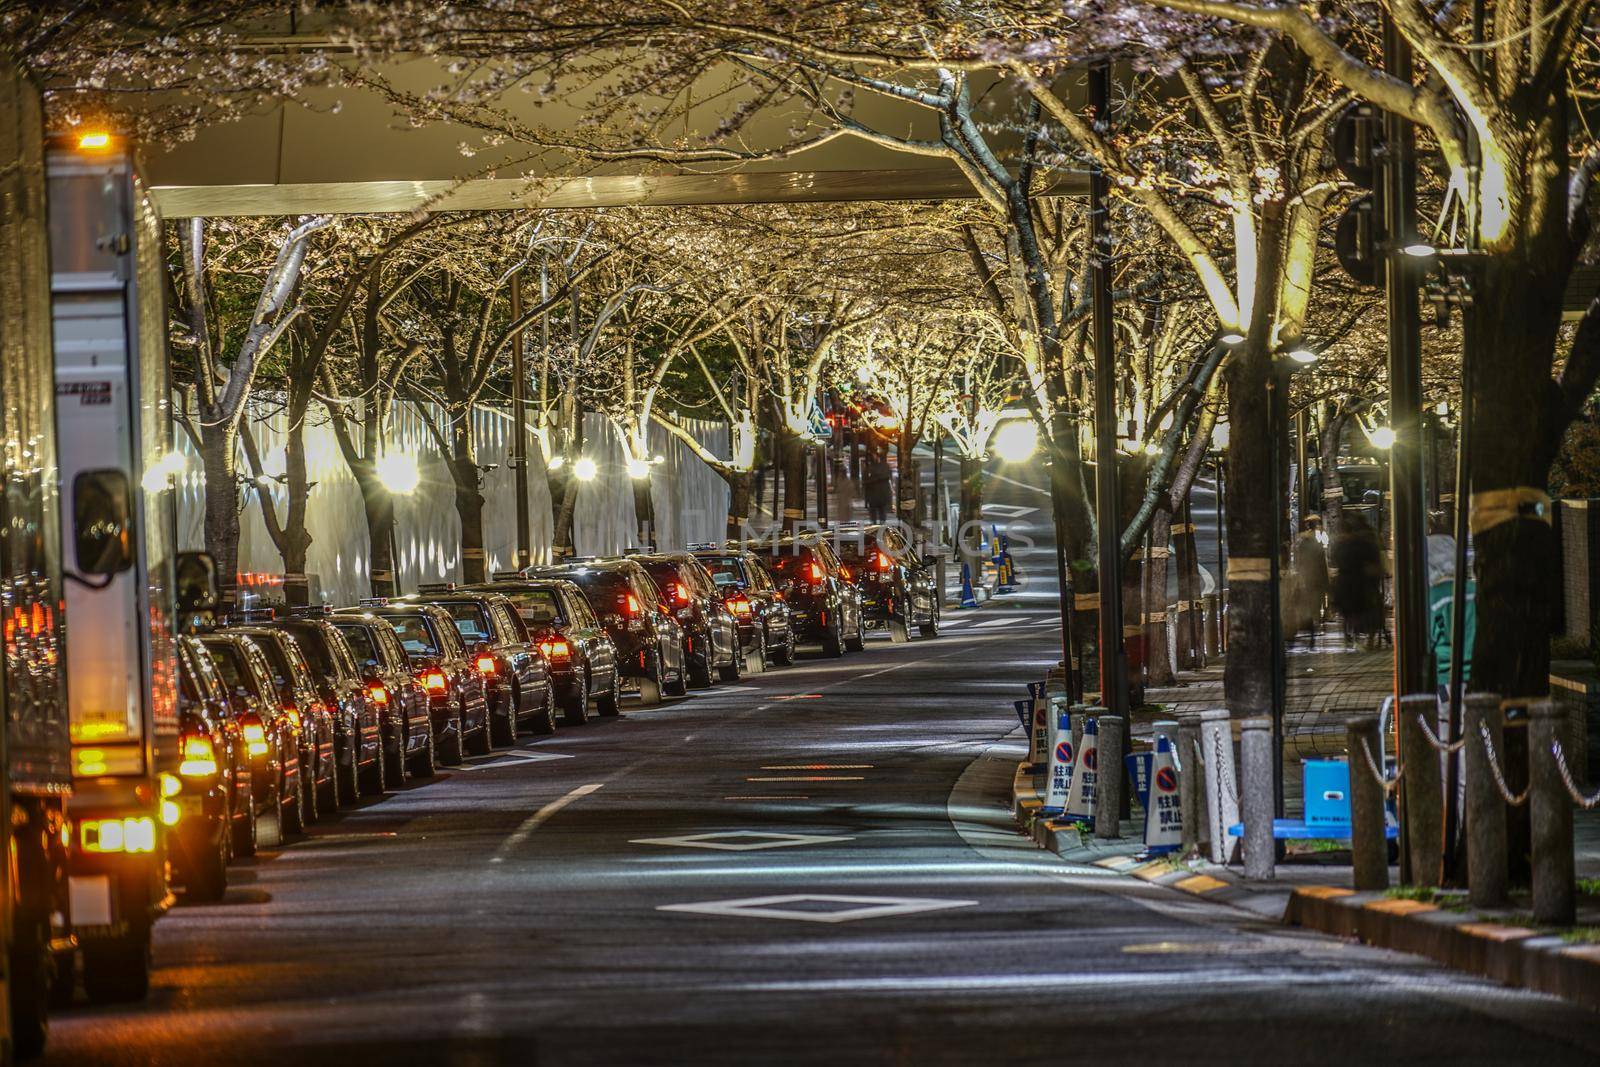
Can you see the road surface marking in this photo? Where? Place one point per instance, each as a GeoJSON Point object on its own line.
{"type": "Point", "coordinates": [810, 778]}
{"type": "Point", "coordinates": [540, 817]}
{"type": "Point", "coordinates": [818, 767]}
{"type": "Point", "coordinates": [852, 909]}
{"type": "Point", "coordinates": [740, 840]}
{"type": "Point", "coordinates": [794, 796]}
{"type": "Point", "coordinates": [510, 759]}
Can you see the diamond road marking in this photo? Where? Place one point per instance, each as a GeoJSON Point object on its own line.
{"type": "Point", "coordinates": [740, 840]}
{"type": "Point", "coordinates": [852, 909]}
{"type": "Point", "coordinates": [510, 759]}
{"type": "Point", "coordinates": [1007, 511]}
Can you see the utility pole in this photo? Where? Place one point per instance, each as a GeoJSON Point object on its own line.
{"type": "Point", "coordinates": [519, 429]}
{"type": "Point", "coordinates": [1113, 663]}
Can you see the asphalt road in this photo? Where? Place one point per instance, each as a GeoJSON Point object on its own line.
{"type": "Point", "coordinates": [524, 910]}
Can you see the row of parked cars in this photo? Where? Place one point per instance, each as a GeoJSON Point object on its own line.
{"type": "Point", "coordinates": [286, 717]}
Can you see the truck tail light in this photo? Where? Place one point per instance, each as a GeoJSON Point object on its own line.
{"type": "Point", "coordinates": [198, 756]}
{"type": "Point", "coordinates": [556, 649]}
{"type": "Point", "coordinates": [171, 813]}
{"type": "Point", "coordinates": [487, 665]}
{"type": "Point", "coordinates": [136, 833]}
{"type": "Point", "coordinates": [433, 680]}
{"type": "Point", "coordinates": [255, 735]}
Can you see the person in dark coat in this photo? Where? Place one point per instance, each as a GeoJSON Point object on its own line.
{"type": "Point", "coordinates": [1311, 577]}
{"type": "Point", "coordinates": [1357, 584]}
{"type": "Point", "coordinates": [877, 485]}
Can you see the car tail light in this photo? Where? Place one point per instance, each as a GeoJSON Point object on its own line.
{"type": "Point", "coordinates": [198, 755]}
{"type": "Point", "coordinates": [679, 594]}
{"type": "Point", "coordinates": [556, 649]}
{"type": "Point", "coordinates": [132, 834]}
{"type": "Point", "coordinates": [740, 606]}
{"type": "Point", "coordinates": [433, 680]}
{"type": "Point", "coordinates": [378, 694]}
{"type": "Point", "coordinates": [882, 561]}
{"type": "Point", "coordinates": [813, 571]}
{"type": "Point", "coordinates": [631, 606]}
{"type": "Point", "coordinates": [844, 572]}
{"type": "Point", "coordinates": [294, 717]}
{"type": "Point", "coordinates": [487, 665]}
{"type": "Point", "coordinates": [255, 735]}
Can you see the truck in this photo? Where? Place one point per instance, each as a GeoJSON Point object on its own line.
{"type": "Point", "coordinates": [118, 509]}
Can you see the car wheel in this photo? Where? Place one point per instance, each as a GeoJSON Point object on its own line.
{"type": "Point", "coordinates": [575, 712]}
{"type": "Point", "coordinates": [898, 631]}
{"type": "Point", "coordinates": [785, 655]}
{"type": "Point", "coordinates": [345, 770]}
{"type": "Point", "coordinates": [858, 643]}
{"type": "Point", "coordinates": [395, 761]}
{"type": "Point", "coordinates": [503, 728]}
{"type": "Point", "coordinates": [700, 676]}
{"type": "Point", "coordinates": [680, 687]}
{"type": "Point", "coordinates": [327, 791]}
{"type": "Point", "coordinates": [832, 642]}
{"type": "Point", "coordinates": [756, 661]}
{"type": "Point", "coordinates": [480, 743]}
{"type": "Point", "coordinates": [32, 978]}
{"type": "Point", "coordinates": [450, 751]}
{"type": "Point", "coordinates": [208, 882]}
{"type": "Point", "coordinates": [372, 776]}
{"type": "Point", "coordinates": [244, 829]}
{"type": "Point", "coordinates": [931, 627]}
{"type": "Point", "coordinates": [424, 763]}
{"type": "Point", "coordinates": [650, 690]}
{"type": "Point", "coordinates": [117, 973]}
{"type": "Point", "coordinates": [610, 704]}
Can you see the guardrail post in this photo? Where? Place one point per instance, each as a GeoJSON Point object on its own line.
{"type": "Point", "coordinates": [1369, 845]}
{"type": "Point", "coordinates": [1256, 778]}
{"type": "Point", "coordinates": [1486, 811]}
{"type": "Point", "coordinates": [1108, 782]}
{"type": "Point", "coordinates": [1191, 787]}
{"type": "Point", "coordinates": [1550, 810]}
{"type": "Point", "coordinates": [1422, 810]}
{"type": "Point", "coordinates": [1209, 625]}
{"type": "Point", "coordinates": [1221, 794]}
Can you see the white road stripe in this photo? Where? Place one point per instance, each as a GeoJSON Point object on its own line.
{"type": "Point", "coordinates": [540, 817]}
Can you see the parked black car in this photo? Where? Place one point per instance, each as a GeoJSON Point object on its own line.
{"type": "Point", "coordinates": [899, 589]}
{"type": "Point", "coordinates": [300, 700]}
{"type": "Point", "coordinates": [358, 726]}
{"type": "Point", "coordinates": [408, 745]}
{"type": "Point", "coordinates": [270, 744]}
{"type": "Point", "coordinates": [710, 634]}
{"type": "Point", "coordinates": [517, 684]}
{"type": "Point", "coordinates": [457, 700]}
{"type": "Point", "coordinates": [649, 641]}
{"type": "Point", "coordinates": [824, 604]}
{"type": "Point", "coordinates": [213, 799]}
{"type": "Point", "coordinates": [758, 607]}
{"type": "Point", "coordinates": [579, 655]}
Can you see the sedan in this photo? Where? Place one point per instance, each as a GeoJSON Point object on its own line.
{"type": "Point", "coordinates": [213, 799]}
{"type": "Point", "coordinates": [408, 744]}
{"type": "Point", "coordinates": [765, 632]}
{"type": "Point", "coordinates": [297, 694]}
{"type": "Point", "coordinates": [513, 669]}
{"type": "Point", "coordinates": [358, 726]}
{"type": "Point", "coordinates": [578, 653]}
{"type": "Point", "coordinates": [648, 639]}
{"type": "Point", "coordinates": [271, 746]}
{"type": "Point", "coordinates": [824, 604]}
{"type": "Point", "coordinates": [899, 589]}
{"type": "Point", "coordinates": [710, 635]}
{"type": "Point", "coordinates": [458, 703]}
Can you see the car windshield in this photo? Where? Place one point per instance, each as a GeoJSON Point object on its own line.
{"type": "Point", "coordinates": [230, 664]}
{"type": "Point", "coordinates": [608, 588]}
{"type": "Point", "coordinates": [538, 607]}
{"type": "Point", "coordinates": [725, 570]}
{"type": "Point", "coordinates": [361, 644]}
{"type": "Point", "coordinates": [282, 671]}
{"type": "Point", "coordinates": [788, 563]}
{"type": "Point", "coordinates": [415, 635]}
{"type": "Point", "coordinates": [472, 622]}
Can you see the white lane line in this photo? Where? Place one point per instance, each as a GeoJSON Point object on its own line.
{"type": "Point", "coordinates": [540, 817]}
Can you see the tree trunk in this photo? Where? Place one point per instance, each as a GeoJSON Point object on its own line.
{"type": "Point", "coordinates": [1074, 531]}
{"type": "Point", "coordinates": [378, 505]}
{"type": "Point", "coordinates": [563, 500]}
{"type": "Point", "coordinates": [1189, 617]}
{"type": "Point", "coordinates": [1158, 649]}
{"type": "Point", "coordinates": [907, 483]}
{"type": "Point", "coordinates": [740, 484]}
{"type": "Point", "coordinates": [469, 496]}
{"type": "Point", "coordinates": [793, 455]}
{"type": "Point", "coordinates": [1331, 441]}
{"type": "Point", "coordinates": [296, 538]}
{"type": "Point", "coordinates": [970, 533]}
{"type": "Point", "coordinates": [221, 504]}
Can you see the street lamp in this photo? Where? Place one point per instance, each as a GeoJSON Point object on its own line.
{"type": "Point", "coordinates": [1382, 437]}
{"type": "Point", "coordinates": [638, 468]}
{"type": "Point", "coordinates": [1016, 439]}
{"type": "Point", "coordinates": [399, 472]}
{"type": "Point", "coordinates": [584, 469]}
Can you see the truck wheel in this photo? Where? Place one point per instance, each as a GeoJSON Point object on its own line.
{"type": "Point", "coordinates": [117, 973]}
{"type": "Point", "coordinates": [575, 712]}
{"type": "Point", "coordinates": [424, 763]}
{"type": "Point", "coordinates": [33, 979]}
{"type": "Point", "coordinates": [449, 751]}
{"type": "Point", "coordinates": [610, 704]}
{"type": "Point", "coordinates": [394, 761]}
{"type": "Point", "coordinates": [372, 775]}
{"type": "Point", "coordinates": [899, 633]}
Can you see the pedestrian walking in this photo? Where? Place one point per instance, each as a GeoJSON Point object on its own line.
{"type": "Point", "coordinates": [1311, 577]}
{"type": "Point", "coordinates": [1357, 581]}
{"type": "Point", "coordinates": [878, 485]}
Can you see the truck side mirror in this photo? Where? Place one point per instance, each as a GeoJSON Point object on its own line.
{"type": "Point", "coordinates": [196, 582]}
{"type": "Point", "coordinates": [102, 514]}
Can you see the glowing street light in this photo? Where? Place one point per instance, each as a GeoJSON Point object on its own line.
{"type": "Point", "coordinates": [399, 472]}
{"type": "Point", "coordinates": [1015, 440]}
{"type": "Point", "coordinates": [1382, 437]}
{"type": "Point", "coordinates": [1232, 338]}
{"type": "Point", "coordinates": [1303, 356]}
{"type": "Point", "coordinates": [584, 469]}
{"type": "Point", "coordinates": [638, 468]}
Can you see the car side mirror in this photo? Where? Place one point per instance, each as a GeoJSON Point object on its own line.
{"type": "Point", "coordinates": [102, 519]}
{"type": "Point", "coordinates": [930, 560]}
{"type": "Point", "coordinates": [196, 585]}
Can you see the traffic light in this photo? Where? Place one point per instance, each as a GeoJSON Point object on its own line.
{"type": "Point", "coordinates": [1358, 239]}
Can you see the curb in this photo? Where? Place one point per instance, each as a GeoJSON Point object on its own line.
{"type": "Point", "coordinates": [1511, 955]}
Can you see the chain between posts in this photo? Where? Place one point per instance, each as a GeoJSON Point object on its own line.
{"type": "Point", "coordinates": [1225, 779]}
{"type": "Point", "coordinates": [1578, 798]}
{"type": "Point", "coordinates": [1433, 738]}
{"type": "Point", "coordinates": [1387, 784]}
{"type": "Point", "coordinates": [1515, 800]}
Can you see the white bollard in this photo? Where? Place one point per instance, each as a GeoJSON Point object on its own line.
{"type": "Point", "coordinates": [1222, 791]}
